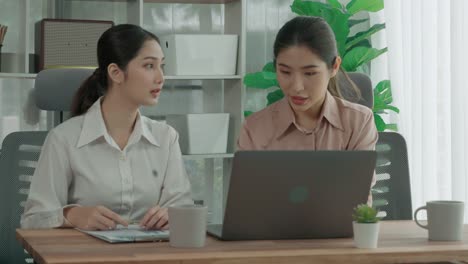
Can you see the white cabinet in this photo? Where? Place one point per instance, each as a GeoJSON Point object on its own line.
{"type": "Point", "coordinates": [182, 94]}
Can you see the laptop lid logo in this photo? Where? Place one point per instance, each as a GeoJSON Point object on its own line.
{"type": "Point", "coordinates": [298, 194]}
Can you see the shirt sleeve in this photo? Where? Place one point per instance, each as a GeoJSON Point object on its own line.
{"type": "Point", "coordinates": [48, 193]}
{"type": "Point", "coordinates": [176, 186]}
{"type": "Point", "coordinates": [366, 135]}
{"type": "Point", "coordinates": [244, 142]}
{"type": "Point", "coordinates": [365, 138]}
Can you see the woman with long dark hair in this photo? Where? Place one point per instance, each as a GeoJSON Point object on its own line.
{"type": "Point", "coordinates": [108, 164]}
{"type": "Point", "coordinates": [313, 114]}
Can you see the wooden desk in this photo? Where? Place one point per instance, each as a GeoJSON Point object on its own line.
{"type": "Point", "coordinates": [399, 241]}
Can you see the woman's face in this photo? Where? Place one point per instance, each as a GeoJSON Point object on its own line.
{"type": "Point", "coordinates": [303, 76]}
{"type": "Point", "coordinates": [144, 76]}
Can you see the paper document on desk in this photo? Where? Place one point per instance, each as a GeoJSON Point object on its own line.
{"type": "Point", "coordinates": [132, 233]}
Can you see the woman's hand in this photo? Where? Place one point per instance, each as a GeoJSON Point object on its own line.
{"type": "Point", "coordinates": [156, 218]}
{"type": "Point", "coordinates": [93, 218]}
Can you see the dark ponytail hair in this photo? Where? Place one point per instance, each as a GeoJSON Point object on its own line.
{"type": "Point", "coordinates": [119, 44]}
{"type": "Point", "coordinates": [315, 34]}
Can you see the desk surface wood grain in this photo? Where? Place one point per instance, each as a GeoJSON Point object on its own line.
{"type": "Point", "coordinates": [399, 242]}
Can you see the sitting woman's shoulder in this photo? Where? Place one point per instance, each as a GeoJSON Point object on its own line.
{"type": "Point", "coordinates": [353, 112]}
{"type": "Point", "coordinates": [259, 127]}
{"type": "Point", "coordinates": [69, 130]}
{"type": "Point", "coordinates": [262, 119]}
{"type": "Point", "coordinates": [159, 128]}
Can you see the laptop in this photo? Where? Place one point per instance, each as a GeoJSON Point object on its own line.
{"type": "Point", "coordinates": [294, 194]}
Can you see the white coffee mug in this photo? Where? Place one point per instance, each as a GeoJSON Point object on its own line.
{"type": "Point", "coordinates": [444, 219]}
{"type": "Point", "coordinates": [187, 224]}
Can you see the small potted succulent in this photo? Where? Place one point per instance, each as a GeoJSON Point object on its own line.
{"type": "Point", "coordinates": [365, 226]}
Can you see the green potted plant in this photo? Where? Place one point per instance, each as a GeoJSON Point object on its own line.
{"type": "Point", "coordinates": [356, 51]}
{"type": "Point", "coordinates": [365, 226]}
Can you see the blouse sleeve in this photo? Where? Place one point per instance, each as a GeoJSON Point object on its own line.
{"type": "Point", "coordinates": [365, 135]}
{"type": "Point", "coordinates": [48, 193]}
{"type": "Point", "coordinates": [244, 142]}
{"type": "Point", "coordinates": [365, 138]}
{"type": "Point", "coordinates": [176, 185]}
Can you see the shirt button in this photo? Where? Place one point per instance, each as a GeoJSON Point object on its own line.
{"type": "Point", "coordinates": [122, 157]}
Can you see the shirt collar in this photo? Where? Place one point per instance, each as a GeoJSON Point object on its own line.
{"type": "Point", "coordinates": [285, 114]}
{"type": "Point", "coordinates": [94, 128]}
{"type": "Point", "coordinates": [93, 125]}
{"type": "Point", "coordinates": [331, 111]}
{"type": "Point", "coordinates": [146, 130]}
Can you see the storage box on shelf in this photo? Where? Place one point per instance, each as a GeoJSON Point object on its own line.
{"type": "Point", "coordinates": [201, 133]}
{"type": "Point", "coordinates": [200, 54]}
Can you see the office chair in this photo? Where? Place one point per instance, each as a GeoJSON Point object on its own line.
{"type": "Point", "coordinates": [63, 84]}
{"type": "Point", "coordinates": [18, 161]}
{"type": "Point", "coordinates": [392, 193]}
{"type": "Point", "coordinates": [20, 153]}
{"type": "Point", "coordinates": [364, 85]}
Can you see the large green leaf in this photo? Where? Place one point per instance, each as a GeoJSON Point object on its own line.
{"type": "Point", "coordinates": [335, 4]}
{"type": "Point", "coordinates": [260, 80]}
{"type": "Point", "coordinates": [393, 127]}
{"type": "Point", "coordinates": [379, 123]}
{"type": "Point", "coordinates": [383, 91]}
{"type": "Point", "coordinates": [360, 36]}
{"type": "Point", "coordinates": [383, 97]}
{"type": "Point", "coordinates": [353, 22]}
{"type": "Point", "coordinates": [364, 5]}
{"type": "Point", "coordinates": [269, 67]}
{"type": "Point", "coordinates": [363, 43]}
{"type": "Point", "coordinates": [275, 96]}
{"type": "Point", "coordinates": [247, 113]}
{"type": "Point", "coordinates": [360, 55]}
{"type": "Point", "coordinates": [309, 8]}
{"type": "Point", "coordinates": [380, 107]}
{"type": "Point", "coordinates": [337, 19]}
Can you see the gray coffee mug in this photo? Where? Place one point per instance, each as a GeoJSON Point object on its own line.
{"type": "Point", "coordinates": [187, 225]}
{"type": "Point", "coordinates": [444, 219]}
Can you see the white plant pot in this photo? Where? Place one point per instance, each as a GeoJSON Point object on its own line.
{"type": "Point", "coordinates": [366, 235]}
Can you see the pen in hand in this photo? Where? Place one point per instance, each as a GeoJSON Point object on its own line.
{"type": "Point", "coordinates": [156, 218]}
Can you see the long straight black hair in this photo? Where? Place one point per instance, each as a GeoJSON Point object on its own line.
{"type": "Point", "coordinates": [119, 44]}
{"type": "Point", "coordinates": [315, 34]}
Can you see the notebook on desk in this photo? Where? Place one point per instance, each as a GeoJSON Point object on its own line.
{"type": "Point", "coordinates": [294, 194]}
{"type": "Point", "coordinates": [132, 233]}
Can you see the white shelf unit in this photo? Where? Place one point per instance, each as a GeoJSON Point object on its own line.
{"type": "Point", "coordinates": [219, 94]}
{"type": "Point", "coordinates": [5, 75]}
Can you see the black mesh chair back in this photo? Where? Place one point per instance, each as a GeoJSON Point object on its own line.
{"type": "Point", "coordinates": [20, 153]}
{"type": "Point", "coordinates": [392, 193]}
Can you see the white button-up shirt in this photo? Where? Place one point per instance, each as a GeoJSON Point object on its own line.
{"type": "Point", "coordinates": [80, 164]}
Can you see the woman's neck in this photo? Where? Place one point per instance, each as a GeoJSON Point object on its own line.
{"type": "Point", "coordinates": [309, 119]}
{"type": "Point", "coordinates": [119, 117]}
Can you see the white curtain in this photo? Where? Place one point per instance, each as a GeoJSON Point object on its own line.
{"type": "Point", "coordinates": [427, 64]}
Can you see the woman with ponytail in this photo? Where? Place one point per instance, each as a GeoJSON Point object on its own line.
{"type": "Point", "coordinates": [313, 114]}
{"type": "Point", "coordinates": [108, 164]}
